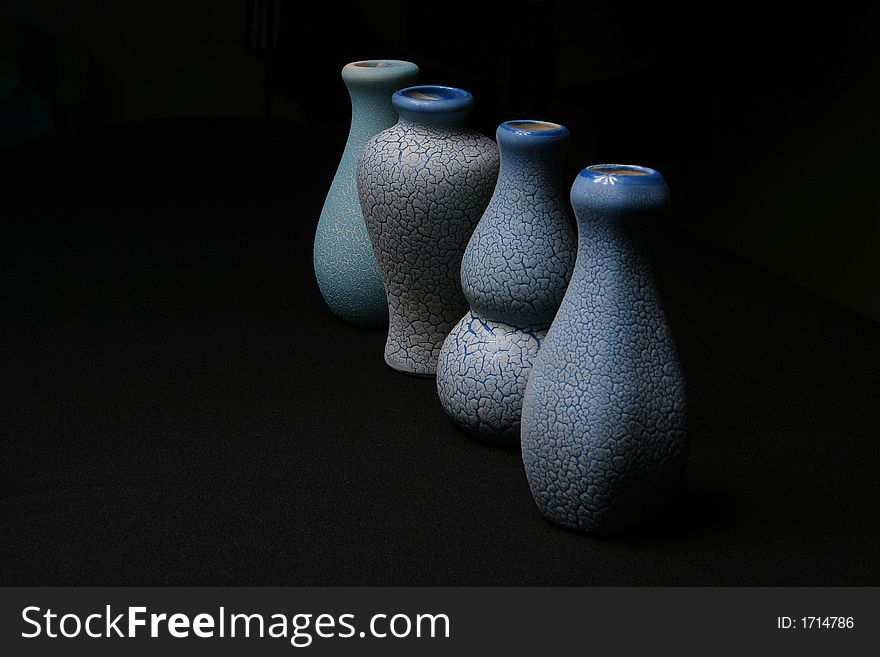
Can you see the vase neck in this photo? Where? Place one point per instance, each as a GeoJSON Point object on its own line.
{"type": "Point", "coordinates": [540, 141]}
{"type": "Point", "coordinates": [378, 75]}
{"type": "Point", "coordinates": [444, 124]}
{"type": "Point", "coordinates": [370, 84]}
{"type": "Point", "coordinates": [617, 207]}
{"type": "Point", "coordinates": [532, 149]}
{"type": "Point", "coordinates": [625, 234]}
{"type": "Point", "coordinates": [433, 106]}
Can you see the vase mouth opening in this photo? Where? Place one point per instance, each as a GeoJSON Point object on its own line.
{"type": "Point", "coordinates": [375, 63]}
{"type": "Point", "coordinates": [433, 92]}
{"type": "Point", "coordinates": [390, 72]}
{"type": "Point", "coordinates": [534, 127]}
{"type": "Point", "coordinates": [434, 99]}
{"type": "Point", "coordinates": [622, 174]}
{"type": "Point", "coordinates": [620, 170]}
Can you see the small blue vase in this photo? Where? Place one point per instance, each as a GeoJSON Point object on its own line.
{"type": "Point", "coordinates": [345, 266]}
{"type": "Point", "coordinates": [603, 422]}
{"type": "Point", "coordinates": [514, 275]}
{"type": "Point", "coordinates": [424, 184]}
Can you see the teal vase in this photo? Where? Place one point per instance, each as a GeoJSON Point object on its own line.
{"type": "Point", "coordinates": [345, 265]}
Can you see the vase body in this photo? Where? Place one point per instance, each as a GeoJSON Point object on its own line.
{"type": "Point", "coordinates": [514, 275]}
{"type": "Point", "coordinates": [423, 186]}
{"type": "Point", "coordinates": [604, 414]}
{"type": "Point", "coordinates": [345, 265]}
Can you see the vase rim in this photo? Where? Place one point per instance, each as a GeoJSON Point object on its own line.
{"type": "Point", "coordinates": [378, 69]}
{"type": "Point", "coordinates": [622, 174]}
{"type": "Point", "coordinates": [533, 127]}
{"type": "Point", "coordinates": [432, 99]}
{"type": "Point", "coordinates": [377, 63]}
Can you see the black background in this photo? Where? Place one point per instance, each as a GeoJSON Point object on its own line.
{"type": "Point", "coordinates": [178, 407]}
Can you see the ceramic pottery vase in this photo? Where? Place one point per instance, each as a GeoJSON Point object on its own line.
{"type": "Point", "coordinates": [424, 185]}
{"type": "Point", "coordinates": [604, 413]}
{"type": "Point", "coordinates": [514, 275]}
{"type": "Point", "coordinates": [345, 266]}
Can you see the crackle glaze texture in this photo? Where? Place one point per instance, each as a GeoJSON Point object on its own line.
{"type": "Point", "coordinates": [604, 413]}
{"type": "Point", "coordinates": [482, 374]}
{"type": "Point", "coordinates": [345, 265]}
{"type": "Point", "coordinates": [514, 275]}
{"type": "Point", "coordinates": [423, 185]}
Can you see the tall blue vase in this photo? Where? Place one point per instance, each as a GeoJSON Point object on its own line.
{"type": "Point", "coordinates": [345, 266]}
{"type": "Point", "coordinates": [604, 413]}
{"type": "Point", "coordinates": [514, 274]}
{"type": "Point", "coordinates": [424, 184]}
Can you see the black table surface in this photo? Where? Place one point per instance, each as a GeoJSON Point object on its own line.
{"type": "Point", "coordinates": [179, 408]}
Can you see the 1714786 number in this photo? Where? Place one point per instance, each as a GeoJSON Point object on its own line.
{"type": "Point", "coordinates": [827, 622]}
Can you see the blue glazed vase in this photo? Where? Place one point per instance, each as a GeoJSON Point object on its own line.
{"type": "Point", "coordinates": [423, 184]}
{"type": "Point", "coordinates": [514, 275]}
{"type": "Point", "coordinates": [603, 422]}
{"type": "Point", "coordinates": [345, 266]}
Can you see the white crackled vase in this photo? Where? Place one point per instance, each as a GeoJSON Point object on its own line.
{"type": "Point", "coordinates": [423, 185]}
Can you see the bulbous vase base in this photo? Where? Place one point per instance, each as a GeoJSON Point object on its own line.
{"type": "Point", "coordinates": [481, 377]}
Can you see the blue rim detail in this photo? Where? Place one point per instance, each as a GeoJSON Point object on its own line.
{"type": "Point", "coordinates": [432, 99]}
{"type": "Point", "coordinates": [606, 172]}
{"type": "Point", "coordinates": [521, 127]}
